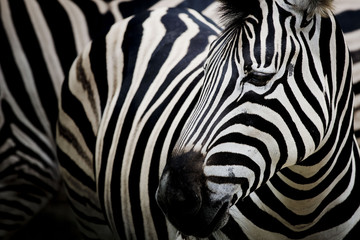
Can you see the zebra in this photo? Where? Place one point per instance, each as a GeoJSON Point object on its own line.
{"type": "Point", "coordinates": [25, 134]}
{"type": "Point", "coordinates": [127, 117]}
{"type": "Point", "coordinates": [269, 150]}
{"type": "Point", "coordinates": [39, 40]}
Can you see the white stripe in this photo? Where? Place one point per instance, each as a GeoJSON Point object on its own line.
{"type": "Point", "coordinates": [114, 9]}
{"type": "Point", "coordinates": [46, 43]}
{"type": "Point", "coordinates": [201, 18]}
{"type": "Point", "coordinates": [103, 6]}
{"type": "Point", "coordinates": [212, 12]}
{"type": "Point", "coordinates": [263, 33]}
{"type": "Point", "coordinates": [352, 40]}
{"type": "Point", "coordinates": [346, 5]}
{"type": "Point", "coordinates": [78, 23]}
{"type": "Point", "coordinates": [166, 3]}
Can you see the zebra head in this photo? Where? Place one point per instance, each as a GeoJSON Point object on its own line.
{"type": "Point", "coordinates": [268, 96]}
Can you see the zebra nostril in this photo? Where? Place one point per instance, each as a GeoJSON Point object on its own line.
{"type": "Point", "coordinates": [186, 203]}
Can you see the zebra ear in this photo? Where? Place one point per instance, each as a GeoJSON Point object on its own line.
{"type": "Point", "coordinates": [313, 7]}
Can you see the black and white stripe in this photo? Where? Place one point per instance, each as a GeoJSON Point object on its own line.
{"type": "Point", "coordinates": [39, 40]}
{"type": "Point", "coordinates": [348, 15]}
{"type": "Point", "coordinates": [122, 107]}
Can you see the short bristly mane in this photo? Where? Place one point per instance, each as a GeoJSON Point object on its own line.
{"type": "Point", "coordinates": [313, 7]}
{"type": "Point", "coordinates": [233, 11]}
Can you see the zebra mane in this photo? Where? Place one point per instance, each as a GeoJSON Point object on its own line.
{"type": "Point", "coordinates": [312, 7]}
{"type": "Point", "coordinates": [233, 11]}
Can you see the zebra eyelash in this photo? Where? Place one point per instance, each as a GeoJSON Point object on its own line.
{"type": "Point", "coordinates": [258, 79]}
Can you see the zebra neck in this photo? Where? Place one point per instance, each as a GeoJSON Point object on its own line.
{"type": "Point", "coordinates": [327, 164]}
{"type": "Point", "coordinates": [315, 199]}
{"type": "Point", "coordinates": [307, 192]}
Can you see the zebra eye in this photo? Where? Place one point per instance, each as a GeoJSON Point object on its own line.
{"type": "Point", "coordinates": [258, 78]}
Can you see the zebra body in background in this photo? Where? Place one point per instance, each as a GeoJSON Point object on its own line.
{"type": "Point", "coordinates": [39, 42]}
{"type": "Point", "coordinates": [349, 12]}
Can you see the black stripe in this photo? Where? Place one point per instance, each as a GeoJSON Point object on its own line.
{"type": "Point", "coordinates": [61, 31]}
{"type": "Point", "coordinates": [15, 83]}
{"type": "Point", "coordinates": [32, 49]}
{"type": "Point", "coordinates": [97, 57]}
{"type": "Point", "coordinates": [99, 24]}
{"type": "Point", "coordinates": [348, 20]}
{"type": "Point", "coordinates": [135, 7]}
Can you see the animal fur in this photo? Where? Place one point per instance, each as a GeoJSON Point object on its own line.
{"type": "Point", "coordinates": [313, 7]}
{"type": "Point", "coordinates": [233, 11]}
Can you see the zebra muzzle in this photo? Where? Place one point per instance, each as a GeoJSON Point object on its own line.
{"type": "Point", "coordinates": [185, 200]}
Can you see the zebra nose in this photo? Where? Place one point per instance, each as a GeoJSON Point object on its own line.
{"type": "Point", "coordinates": [179, 194]}
{"type": "Point", "coordinates": [176, 198]}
